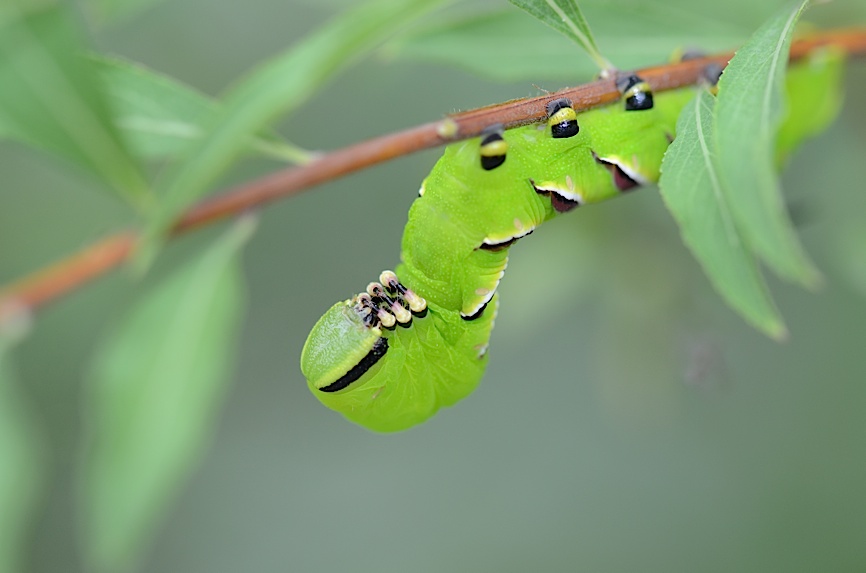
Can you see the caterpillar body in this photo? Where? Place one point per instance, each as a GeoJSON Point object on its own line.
{"type": "Point", "coordinates": [416, 341]}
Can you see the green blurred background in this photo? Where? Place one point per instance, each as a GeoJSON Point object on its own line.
{"type": "Point", "coordinates": [628, 421]}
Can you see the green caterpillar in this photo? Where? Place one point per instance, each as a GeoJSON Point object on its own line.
{"type": "Point", "coordinates": [415, 341]}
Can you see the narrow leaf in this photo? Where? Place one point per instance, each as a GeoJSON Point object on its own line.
{"type": "Point", "coordinates": [160, 116]}
{"type": "Point", "coordinates": [22, 468]}
{"type": "Point", "coordinates": [749, 109]}
{"type": "Point", "coordinates": [690, 185]}
{"type": "Point", "coordinates": [50, 98]}
{"type": "Point", "coordinates": [277, 87]}
{"type": "Point", "coordinates": [565, 17]}
{"type": "Point", "coordinates": [153, 398]}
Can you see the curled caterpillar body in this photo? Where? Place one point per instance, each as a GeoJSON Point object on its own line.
{"type": "Point", "coordinates": [391, 356]}
{"type": "Point", "coordinates": [417, 339]}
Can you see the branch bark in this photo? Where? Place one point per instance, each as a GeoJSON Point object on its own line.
{"type": "Point", "coordinates": [54, 281]}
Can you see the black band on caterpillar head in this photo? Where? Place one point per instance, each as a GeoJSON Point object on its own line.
{"type": "Point", "coordinates": [638, 94]}
{"type": "Point", "coordinates": [380, 347]}
{"type": "Point", "coordinates": [493, 148]}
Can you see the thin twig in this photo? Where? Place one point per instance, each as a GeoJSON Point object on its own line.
{"type": "Point", "coordinates": [54, 281]}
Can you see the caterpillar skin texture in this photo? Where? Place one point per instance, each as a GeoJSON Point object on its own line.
{"type": "Point", "coordinates": [385, 362]}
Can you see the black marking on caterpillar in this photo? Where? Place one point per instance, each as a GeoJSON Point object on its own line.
{"type": "Point", "coordinates": [493, 148]}
{"type": "Point", "coordinates": [380, 348]}
{"type": "Point", "coordinates": [558, 200]}
{"type": "Point", "coordinates": [622, 180]}
{"type": "Point", "coordinates": [494, 246]}
{"type": "Point", "coordinates": [562, 119]}
{"type": "Point", "coordinates": [477, 314]}
{"type": "Point", "coordinates": [638, 94]}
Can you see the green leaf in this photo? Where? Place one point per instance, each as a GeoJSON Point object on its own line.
{"type": "Point", "coordinates": [276, 87]}
{"type": "Point", "coordinates": [691, 187]}
{"type": "Point", "coordinates": [159, 116]}
{"type": "Point", "coordinates": [153, 397]}
{"type": "Point", "coordinates": [22, 467]}
{"type": "Point", "coordinates": [493, 44]}
{"type": "Point", "coordinates": [749, 109]}
{"type": "Point", "coordinates": [565, 17]}
{"type": "Point", "coordinates": [50, 98]}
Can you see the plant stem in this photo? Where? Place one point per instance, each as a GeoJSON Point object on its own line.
{"type": "Point", "coordinates": [34, 291]}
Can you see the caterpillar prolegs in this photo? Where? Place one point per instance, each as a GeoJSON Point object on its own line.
{"type": "Point", "coordinates": [415, 341]}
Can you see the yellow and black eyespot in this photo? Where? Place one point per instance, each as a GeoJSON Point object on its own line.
{"type": "Point", "coordinates": [493, 149]}
{"type": "Point", "coordinates": [562, 119]}
{"type": "Point", "coordinates": [638, 94]}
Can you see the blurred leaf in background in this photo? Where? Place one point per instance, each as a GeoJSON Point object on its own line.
{"type": "Point", "coordinates": [154, 396]}
{"type": "Point", "coordinates": [276, 87]}
{"type": "Point", "coordinates": [160, 116]}
{"type": "Point", "coordinates": [51, 97]}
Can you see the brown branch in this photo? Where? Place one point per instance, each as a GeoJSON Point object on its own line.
{"type": "Point", "coordinates": [56, 280]}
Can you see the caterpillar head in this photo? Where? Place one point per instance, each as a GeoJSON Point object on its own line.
{"type": "Point", "coordinates": [341, 347]}
{"type": "Point", "coordinates": [348, 340]}
{"type": "Point", "coordinates": [386, 363]}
